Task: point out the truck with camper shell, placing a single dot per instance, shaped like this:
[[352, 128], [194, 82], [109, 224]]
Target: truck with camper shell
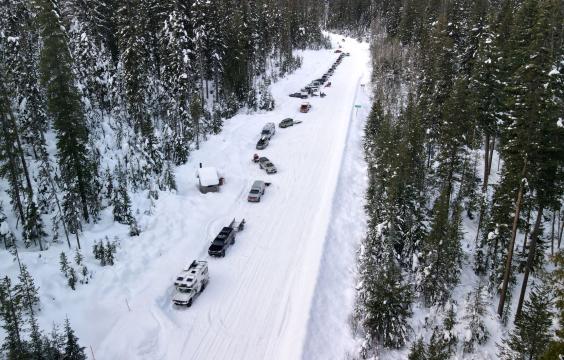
[[190, 283]]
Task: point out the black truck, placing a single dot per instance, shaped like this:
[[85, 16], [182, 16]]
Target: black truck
[[225, 238]]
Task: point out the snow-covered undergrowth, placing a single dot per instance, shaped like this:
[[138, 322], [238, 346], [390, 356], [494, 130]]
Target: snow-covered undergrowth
[[262, 301]]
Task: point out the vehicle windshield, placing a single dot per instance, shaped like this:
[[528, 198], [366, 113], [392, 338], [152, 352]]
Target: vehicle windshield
[[269, 164], [216, 245], [254, 191], [185, 290]]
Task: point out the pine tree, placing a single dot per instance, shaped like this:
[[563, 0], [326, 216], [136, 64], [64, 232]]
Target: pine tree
[[54, 345], [121, 201], [169, 181], [63, 103], [439, 346], [33, 226], [177, 48], [64, 263], [78, 258], [437, 77], [266, 101], [103, 254], [36, 343], [72, 278], [3, 228], [109, 182], [73, 350], [11, 315], [531, 335], [134, 229], [448, 323], [385, 299], [71, 214], [109, 254], [441, 254], [556, 345], [84, 272], [27, 290], [417, 351], [530, 138], [96, 251], [476, 330]]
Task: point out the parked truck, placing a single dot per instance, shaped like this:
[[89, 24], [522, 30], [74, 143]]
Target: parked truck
[[225, 238], [190, 283]]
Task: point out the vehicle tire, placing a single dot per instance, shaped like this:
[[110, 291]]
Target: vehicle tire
[[223, 253], [203, 286], [189, 303], [233, 241]]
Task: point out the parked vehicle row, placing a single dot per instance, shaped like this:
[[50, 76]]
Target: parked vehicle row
[[193, 279], [313, 88]]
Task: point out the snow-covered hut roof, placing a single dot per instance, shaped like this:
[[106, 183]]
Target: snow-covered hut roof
[[208, 176]]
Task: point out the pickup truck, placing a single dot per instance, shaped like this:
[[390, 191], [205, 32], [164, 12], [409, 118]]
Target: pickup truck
[[190, 283], [225, 238]]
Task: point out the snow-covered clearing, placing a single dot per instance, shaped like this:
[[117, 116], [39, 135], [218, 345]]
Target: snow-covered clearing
[[285, 289]]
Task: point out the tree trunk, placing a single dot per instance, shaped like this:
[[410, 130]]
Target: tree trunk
[[507, 272], [552, 234], [22, 159], [77, 240], [530, 260], [492, 147], [527, 229], [14, 178], [560, 234], [81, 189], [58, 203], [482, 210], [429, 155], [486, 163]]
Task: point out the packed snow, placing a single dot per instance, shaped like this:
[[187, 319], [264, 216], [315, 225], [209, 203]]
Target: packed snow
[[285, 289]]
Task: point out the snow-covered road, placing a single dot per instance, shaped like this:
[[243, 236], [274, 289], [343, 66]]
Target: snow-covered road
[[257, 304], [259, 301]]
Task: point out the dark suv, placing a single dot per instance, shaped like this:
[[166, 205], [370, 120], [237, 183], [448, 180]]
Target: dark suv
[[222, 241], [262, 143]]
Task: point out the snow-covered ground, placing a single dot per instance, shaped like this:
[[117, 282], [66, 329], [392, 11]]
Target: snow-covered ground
[[285, 289]]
